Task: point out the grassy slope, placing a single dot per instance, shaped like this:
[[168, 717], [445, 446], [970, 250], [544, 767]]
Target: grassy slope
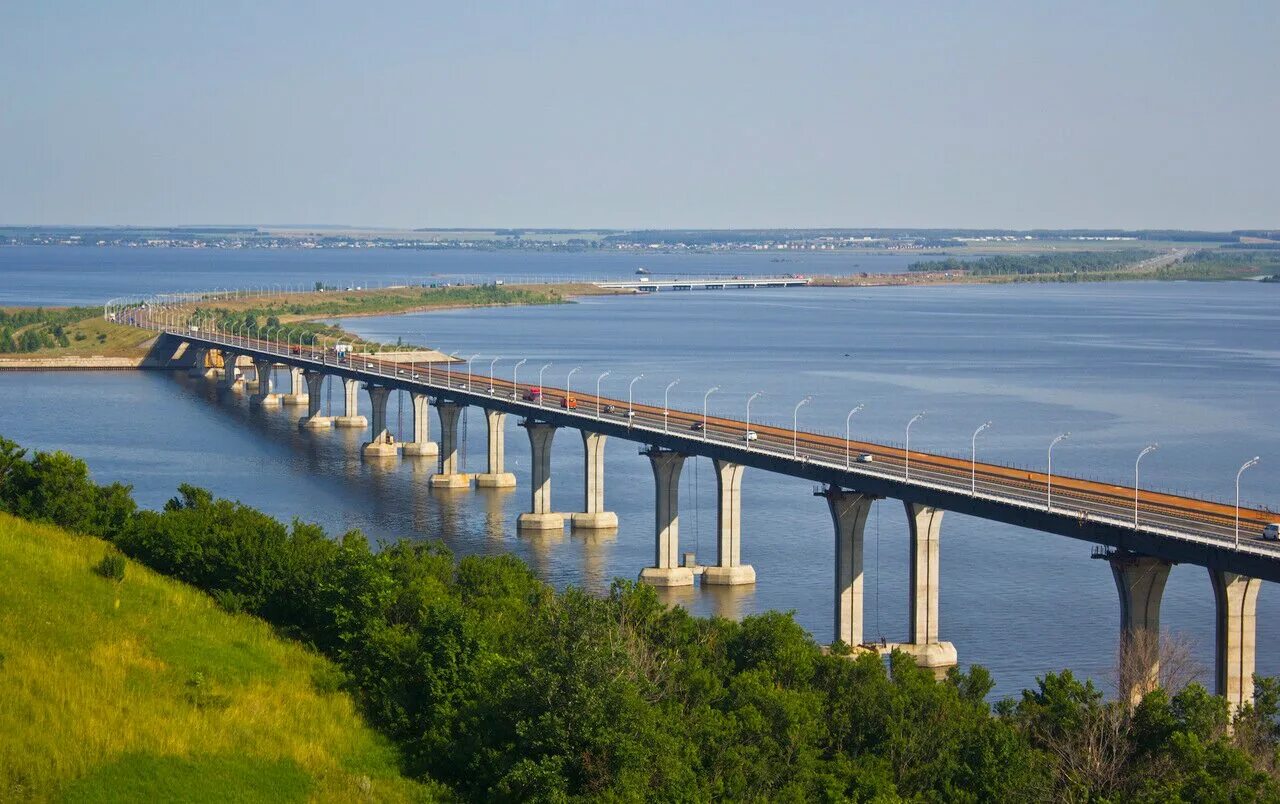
[[146, 690]]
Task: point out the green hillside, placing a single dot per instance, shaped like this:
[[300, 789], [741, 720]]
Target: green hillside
[[143, 689]]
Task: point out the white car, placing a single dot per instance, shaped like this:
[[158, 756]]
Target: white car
[[1272, 532], [750, 435], [866, 457]]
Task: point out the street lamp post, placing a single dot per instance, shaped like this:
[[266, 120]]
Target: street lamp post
[[493, 366], [859, 407], [568, 387], [540, 390], [630, 387], [906, 452], [469, 359], [515, 377], [973, 458], [795, 426], [747, 436], [1247, 464], [1145, 450], [666, 410], [1048, 496], [448, 370], [598, 381], [705, 397]]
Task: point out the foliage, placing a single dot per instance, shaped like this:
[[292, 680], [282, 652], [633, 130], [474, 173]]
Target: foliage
[[1066, 262], [111, 566], [493, 683]]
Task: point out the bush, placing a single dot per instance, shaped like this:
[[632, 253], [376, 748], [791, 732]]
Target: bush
[[111, 567]]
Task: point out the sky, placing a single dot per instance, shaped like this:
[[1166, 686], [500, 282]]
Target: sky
[[655, 115]]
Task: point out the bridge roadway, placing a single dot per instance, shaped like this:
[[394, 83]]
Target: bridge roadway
[[1174, 528]]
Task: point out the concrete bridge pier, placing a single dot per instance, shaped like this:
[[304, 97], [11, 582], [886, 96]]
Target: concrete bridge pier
[[231, 378], [666, 570], [849, 510], [315, 387], [422, 445], [1140, 581], [593, 516], [925, 524], [496, 476], [448, 477], [199, 360], [351, 406], [266, 395], [540, 516], [296, 395], [381, 444], [1235, 644], [729, 569]]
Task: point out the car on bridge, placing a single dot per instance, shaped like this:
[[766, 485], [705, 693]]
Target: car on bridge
[[750, 435], [1272, 532], [570, 402], [533, 394]]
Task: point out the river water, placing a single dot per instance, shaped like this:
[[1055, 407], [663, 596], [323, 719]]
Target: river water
[[1191, 366]]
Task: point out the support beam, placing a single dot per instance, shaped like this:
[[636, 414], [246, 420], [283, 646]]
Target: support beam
[[380, 443], [729, 569], [421, 445], [925, 523], [496, 476], [540, 516], [593, 516], [350, 406], [448, 477], [315, 387], [199, 361], [1235, 636], [849, 510], [1140, 581], [666, 570], [265, 395], [296, 395], [231, 378]]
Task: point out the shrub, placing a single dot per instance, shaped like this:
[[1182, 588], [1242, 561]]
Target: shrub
[[111, 567]]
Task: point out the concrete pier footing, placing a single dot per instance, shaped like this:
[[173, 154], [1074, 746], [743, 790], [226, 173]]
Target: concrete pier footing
[[1140, 582], [1235, 635], [421, 445], [540, 516], [593, 515], [265, 396], [231, 378], [849, 510], [449, 477], [350, 406], [380, 445], [297, 395], [496, 476], [925, 524], [315, 387], [729, 569], [666, 569]]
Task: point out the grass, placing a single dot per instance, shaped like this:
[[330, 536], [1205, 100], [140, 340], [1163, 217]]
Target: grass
[[142, 689]]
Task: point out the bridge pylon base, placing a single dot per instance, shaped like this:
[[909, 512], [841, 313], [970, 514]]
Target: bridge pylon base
[[528, 521], [422, 449], [595, 520], [495, 480], [380, 449], [315, 422], [737, 575], [350, 421], [450, 481], [667, 576], [295, 399]]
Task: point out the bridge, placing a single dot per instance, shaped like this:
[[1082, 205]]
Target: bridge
[[649, 284], [1140, 533]]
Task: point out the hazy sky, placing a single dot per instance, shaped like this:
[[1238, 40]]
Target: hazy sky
[[693, 114]]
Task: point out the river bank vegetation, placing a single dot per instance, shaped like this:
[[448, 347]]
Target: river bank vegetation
[[501, 688], [1109, 266]]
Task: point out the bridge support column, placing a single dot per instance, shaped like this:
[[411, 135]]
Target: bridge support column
[[540, 516], [380, 445], [199, 358], [1236, 606], [422, 444], [729, 569], [296, 395], [315, 387], [1140, 581], [666, 570], [849, 511], [350, 406], [448, 477], [231, 378], [925, 524], [266, 395], [497, 477], [593, 516]]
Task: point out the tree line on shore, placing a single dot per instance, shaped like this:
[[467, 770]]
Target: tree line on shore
[[502, 688]]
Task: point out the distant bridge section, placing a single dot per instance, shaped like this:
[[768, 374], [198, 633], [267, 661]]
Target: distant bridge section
[[649, 284]]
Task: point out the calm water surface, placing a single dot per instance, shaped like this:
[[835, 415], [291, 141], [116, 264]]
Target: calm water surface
[[1192, 366]]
